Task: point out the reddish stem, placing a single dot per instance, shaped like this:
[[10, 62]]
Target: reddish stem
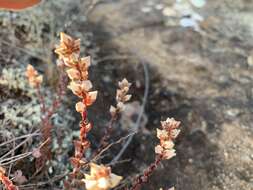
[[108, 130], [103, 142], [60, 92], [7, 182], [45, 118], [41, 99], [84, 129], [46, 127], [146, 174]]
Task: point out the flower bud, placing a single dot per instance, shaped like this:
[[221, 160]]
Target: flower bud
[[80, 107]]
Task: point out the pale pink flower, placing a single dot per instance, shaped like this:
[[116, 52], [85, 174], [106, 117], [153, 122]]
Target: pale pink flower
[[19, 177], [33, 77], [121, 97], [80, 107], [101, 178], [68, 46], [166, 135]]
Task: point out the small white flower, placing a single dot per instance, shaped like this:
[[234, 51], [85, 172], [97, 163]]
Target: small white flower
[[101, 178]]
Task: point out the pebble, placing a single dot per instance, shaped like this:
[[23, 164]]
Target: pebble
[[159, 6], [226, 155], [146, 9], [250, 61], [188, 22], [233, 112], [190, 160], [169, 12], [198, 3]]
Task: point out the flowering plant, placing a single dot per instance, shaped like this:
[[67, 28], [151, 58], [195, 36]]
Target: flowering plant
[[100, 176]]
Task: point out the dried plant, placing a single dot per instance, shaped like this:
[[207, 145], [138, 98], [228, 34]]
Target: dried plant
[[100, 177], [35, 80], [6, 181], [77, 71], [165, 150], [122, 97]]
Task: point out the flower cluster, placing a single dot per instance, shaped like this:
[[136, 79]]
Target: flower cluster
[[121, 97], [167, 135], [68, 46], [35, 81], [6, 181], [77, 71], [33, 77], [101, 178]]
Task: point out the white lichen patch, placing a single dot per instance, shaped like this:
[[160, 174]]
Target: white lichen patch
[[18, 111]]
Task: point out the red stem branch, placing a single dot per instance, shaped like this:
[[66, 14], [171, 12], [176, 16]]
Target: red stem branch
[[103, 142], [146, 174]]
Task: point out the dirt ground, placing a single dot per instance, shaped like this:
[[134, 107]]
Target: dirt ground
[[200, 75]]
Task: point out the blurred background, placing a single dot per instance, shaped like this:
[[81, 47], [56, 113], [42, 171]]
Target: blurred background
[[194, 58]]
